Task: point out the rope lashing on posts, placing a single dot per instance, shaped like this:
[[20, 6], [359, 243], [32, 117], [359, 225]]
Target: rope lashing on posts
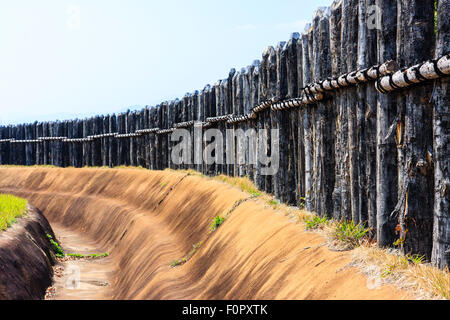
[[184, 124], [296, 102], [146, 131], [127, 135], [425, 71], [314, 92], [206, 124], [242, 118], [388, 78], [264, 105], [165, 131], [25, 141], [352, 78], [51, 138], [105, 135], [78, 140], [223, 118]]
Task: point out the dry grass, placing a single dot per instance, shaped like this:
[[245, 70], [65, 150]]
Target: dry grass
[[245, 184], [405, 271]]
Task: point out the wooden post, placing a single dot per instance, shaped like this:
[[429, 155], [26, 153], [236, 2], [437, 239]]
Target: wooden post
[[300, 130], [352, 110], [105, 141], [146, 137], [246, 100], [39, 149], [230, 110], [418, 172], [170, 123], [306, 63], [336, 69], [219, 98], [386, 112], [113, 159], [253, 124], [292, 92], [441, 225], [280, 121], [153, 124], [371, 125], [323, 167], [28, 146]]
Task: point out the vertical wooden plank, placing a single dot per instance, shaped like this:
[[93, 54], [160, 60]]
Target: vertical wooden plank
[[237, 110], [371, 123], [170, 123], [105, 141], [45, 133], [113, 159], [336, 69], [300, 130], [419, 133], [153, 124], [352, 109], [253, 83], [306, 63], [265, 183], [292, 114], [3, 145], [146, 137], [344, 172], [230, 110], [280, 120], [271, 69], [441, 154], [28, 146], [218, 112], [386, 112], [133, 145], [39, 146], [324, 126]]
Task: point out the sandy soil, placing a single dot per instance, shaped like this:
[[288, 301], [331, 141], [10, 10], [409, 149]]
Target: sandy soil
[[147, 219]]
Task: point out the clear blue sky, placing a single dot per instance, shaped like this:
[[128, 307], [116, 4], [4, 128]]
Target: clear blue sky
[[65, 59]]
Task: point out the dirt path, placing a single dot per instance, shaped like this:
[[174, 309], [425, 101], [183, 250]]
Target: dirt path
[[81, 279]]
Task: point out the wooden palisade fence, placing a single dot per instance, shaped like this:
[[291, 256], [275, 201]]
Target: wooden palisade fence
[[360, 137]]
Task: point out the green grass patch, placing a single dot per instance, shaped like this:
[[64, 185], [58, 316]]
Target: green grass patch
[[217, 221], [349, 233], [273, 203], [11, 207], [56, 247], [182, 261], [91, 255], [315, 222]]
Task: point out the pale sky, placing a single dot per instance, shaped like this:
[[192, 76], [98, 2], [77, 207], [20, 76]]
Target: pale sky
[[64, 59]]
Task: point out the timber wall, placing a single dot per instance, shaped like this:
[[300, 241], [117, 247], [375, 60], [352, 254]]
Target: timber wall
[[360, 138]]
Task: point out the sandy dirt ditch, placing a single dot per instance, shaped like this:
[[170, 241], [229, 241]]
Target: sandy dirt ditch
[[148, 219]]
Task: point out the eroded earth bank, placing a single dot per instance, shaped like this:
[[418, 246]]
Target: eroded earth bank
[[147, 220]]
